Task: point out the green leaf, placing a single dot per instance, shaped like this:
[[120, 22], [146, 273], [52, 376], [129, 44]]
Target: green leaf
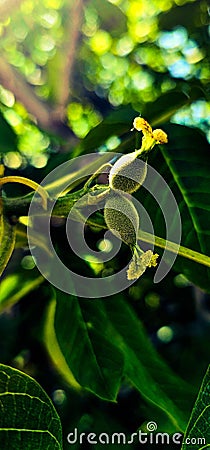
[[8, 141], [15, 286], [37, 239], [119, 122], [151, 376], [185, 165], [198, 427], [181, 14], [7, 241], [28, 419], [162, 109], [86, 339], [103, 340], [52, 346], [115, 124], [111, 17]]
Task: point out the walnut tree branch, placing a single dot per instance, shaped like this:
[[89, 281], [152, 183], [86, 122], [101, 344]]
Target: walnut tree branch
[[75, 14], [23, 92], [7, 8]]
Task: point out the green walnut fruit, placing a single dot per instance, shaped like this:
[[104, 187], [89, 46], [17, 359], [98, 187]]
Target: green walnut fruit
[[124, 170], [122, 218]]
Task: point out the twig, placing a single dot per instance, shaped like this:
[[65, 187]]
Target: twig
[[175, 248], [19, 206], [8, 7], [23, 92], [69, 52], [13, 81]]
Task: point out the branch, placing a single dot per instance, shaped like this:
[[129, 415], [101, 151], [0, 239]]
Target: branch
[[175, 248], [8, 7], [19, 206], [14, 82], [74, 21]]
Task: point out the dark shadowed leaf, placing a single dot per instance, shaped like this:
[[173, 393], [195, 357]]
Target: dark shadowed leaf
[[8, 141], [103, 340], [116, 124], [16, 285], [86, 338], [28, 419], [7, 241], [119, 122], [111, 17], [180, 15], [146, 370], [198, 427], [185, 165]]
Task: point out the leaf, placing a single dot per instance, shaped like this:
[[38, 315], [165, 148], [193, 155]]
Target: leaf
[[101, 340], [117, 123], [162, 109], [120, 121], [15, 286], [28, 419], [7, 241], [189, 15], [112, 18], [198, 427], [151, 376], [85, 337], [37, 238], [104, 422], [8, 141], [185, 165], [52, 346]]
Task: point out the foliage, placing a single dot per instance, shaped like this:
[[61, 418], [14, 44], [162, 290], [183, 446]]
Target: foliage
[[40, 426], [73, 76], [198, 423], [7, 241]]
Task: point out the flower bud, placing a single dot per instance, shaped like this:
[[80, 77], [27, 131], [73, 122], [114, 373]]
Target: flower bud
[[141, 124], [160, 136]]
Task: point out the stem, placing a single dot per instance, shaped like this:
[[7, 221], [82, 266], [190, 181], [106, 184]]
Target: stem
[[8, 7], [20, 206], [12, 80], [78, 175], [54, 350], [7, 303], [72, 32], [175, 248], [32, 184], [7, 241]]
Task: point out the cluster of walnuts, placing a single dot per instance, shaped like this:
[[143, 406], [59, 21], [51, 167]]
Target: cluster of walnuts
[[126, 176]]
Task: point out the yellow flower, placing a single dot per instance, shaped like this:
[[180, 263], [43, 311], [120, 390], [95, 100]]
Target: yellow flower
[[153, 260], [150, 138], [141, 124], [139, 264], [160, 136]]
